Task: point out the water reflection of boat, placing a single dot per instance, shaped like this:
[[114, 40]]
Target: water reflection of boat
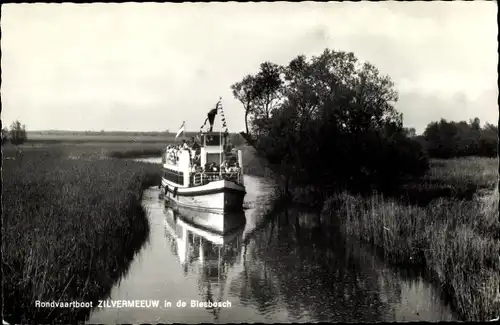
[[212, 222], [203, 253]]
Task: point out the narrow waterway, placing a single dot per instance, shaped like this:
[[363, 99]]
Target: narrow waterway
[[274, 271]]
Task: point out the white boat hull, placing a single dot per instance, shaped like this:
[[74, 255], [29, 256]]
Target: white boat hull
[[216, 197]]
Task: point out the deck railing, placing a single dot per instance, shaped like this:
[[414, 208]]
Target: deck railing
[[202, 178]]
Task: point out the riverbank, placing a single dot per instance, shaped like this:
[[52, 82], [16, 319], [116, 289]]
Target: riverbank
[[454, 238], [69, 226]]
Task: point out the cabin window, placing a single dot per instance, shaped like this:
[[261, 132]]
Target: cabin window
[[212, 140], [173, 176], [214, 158]]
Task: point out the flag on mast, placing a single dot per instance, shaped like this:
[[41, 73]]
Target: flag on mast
[[181, 130], [212, 113]]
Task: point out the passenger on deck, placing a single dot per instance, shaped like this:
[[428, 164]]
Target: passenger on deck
[[213, 167], [232, 161], [196, 160], [225, 166], [194, 144], [235, 168]]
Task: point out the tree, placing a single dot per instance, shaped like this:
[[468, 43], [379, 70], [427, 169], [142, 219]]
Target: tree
[[267, 89], [260, 94], [5, 135], [328, 111], [17, 133], [410, 132], [445, 139], [244, 91], [488, 141]]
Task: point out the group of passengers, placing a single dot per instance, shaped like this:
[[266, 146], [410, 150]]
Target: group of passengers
[[229, 170], [227, 166], [173, 151]]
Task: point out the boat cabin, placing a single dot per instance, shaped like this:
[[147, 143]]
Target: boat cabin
[[212, 159], [212, 148]]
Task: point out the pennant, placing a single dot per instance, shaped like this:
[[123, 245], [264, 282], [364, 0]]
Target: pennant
[[181, 130], [211, 117]]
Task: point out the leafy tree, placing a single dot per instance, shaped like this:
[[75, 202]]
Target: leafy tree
[[268, 89], [328, 120], [488, 141], [244, 92], [260, 94], [445, 139], [410, 132], [5, 135], [17, 133]]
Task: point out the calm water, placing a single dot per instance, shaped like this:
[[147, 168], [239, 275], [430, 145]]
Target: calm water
[[275, 271]]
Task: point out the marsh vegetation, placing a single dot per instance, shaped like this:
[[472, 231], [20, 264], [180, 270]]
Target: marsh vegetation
[[70, 227]]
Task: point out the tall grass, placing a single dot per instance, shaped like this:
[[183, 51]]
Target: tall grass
[[454, 178], [135, 153], [70, 229], [456, 241], [477, 171]]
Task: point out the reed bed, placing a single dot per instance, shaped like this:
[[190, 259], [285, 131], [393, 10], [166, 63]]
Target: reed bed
[[135, 153], [456, 241], [70, 229]]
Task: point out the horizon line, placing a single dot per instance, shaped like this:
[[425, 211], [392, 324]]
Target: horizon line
[[118, 131]]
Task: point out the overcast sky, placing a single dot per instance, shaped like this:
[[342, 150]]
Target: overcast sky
[[150, 66]]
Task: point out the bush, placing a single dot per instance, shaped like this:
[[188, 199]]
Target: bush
[[362, 162], [445, 139], [18, 133]]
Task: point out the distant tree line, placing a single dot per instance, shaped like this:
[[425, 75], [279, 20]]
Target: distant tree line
[[103, 132], [445, 139], [330, 122], [15, 135]]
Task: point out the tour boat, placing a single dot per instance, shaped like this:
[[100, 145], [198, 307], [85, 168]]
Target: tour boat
[[202, 179]]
